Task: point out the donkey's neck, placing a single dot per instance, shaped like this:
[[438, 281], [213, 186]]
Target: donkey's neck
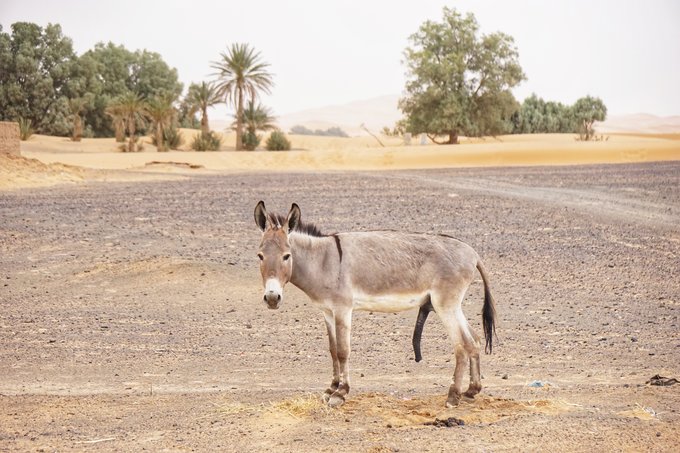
[[315, 261]]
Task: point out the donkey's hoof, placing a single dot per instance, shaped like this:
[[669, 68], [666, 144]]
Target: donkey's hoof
[[472, 391], [336, 400], [326, 396], [450, 404], [453, 398]]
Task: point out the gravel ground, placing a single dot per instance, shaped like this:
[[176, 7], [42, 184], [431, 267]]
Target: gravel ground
[[130, 315]]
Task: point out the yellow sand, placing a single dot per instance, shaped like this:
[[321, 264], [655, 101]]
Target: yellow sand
[[333, 153]]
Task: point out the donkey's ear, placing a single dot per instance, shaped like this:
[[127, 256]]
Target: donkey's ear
[[261, 216], [293, 217]]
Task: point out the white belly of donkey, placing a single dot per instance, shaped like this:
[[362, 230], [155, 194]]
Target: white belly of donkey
[[388, 303]]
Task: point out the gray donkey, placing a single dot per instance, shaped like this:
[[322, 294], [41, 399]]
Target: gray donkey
[[381, 271]]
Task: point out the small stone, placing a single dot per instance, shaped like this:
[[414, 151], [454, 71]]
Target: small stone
[[505, 376]]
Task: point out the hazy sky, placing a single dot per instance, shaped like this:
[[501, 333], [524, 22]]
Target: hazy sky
[[325, 52]]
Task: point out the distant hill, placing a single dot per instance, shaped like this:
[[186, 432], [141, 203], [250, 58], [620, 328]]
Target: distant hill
[[640, 123], [375, 113]]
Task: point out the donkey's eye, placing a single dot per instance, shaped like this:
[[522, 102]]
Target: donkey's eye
[[261, 256], [286, 257]]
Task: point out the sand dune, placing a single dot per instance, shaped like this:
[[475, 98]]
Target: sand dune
[[54, 160], [364, 153], [640, 123]]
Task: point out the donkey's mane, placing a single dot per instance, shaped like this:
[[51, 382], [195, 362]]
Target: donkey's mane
[[302, 227]]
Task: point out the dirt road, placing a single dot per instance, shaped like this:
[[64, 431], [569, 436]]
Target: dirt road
[[130, 315]]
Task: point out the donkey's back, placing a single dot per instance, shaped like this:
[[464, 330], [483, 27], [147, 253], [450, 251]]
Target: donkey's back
[[384, 263]]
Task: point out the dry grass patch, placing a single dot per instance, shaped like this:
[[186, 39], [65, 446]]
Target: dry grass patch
[[301, 406], [639, 412]]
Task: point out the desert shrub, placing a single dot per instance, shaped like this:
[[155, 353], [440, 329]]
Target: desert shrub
[[277, 141], [206, 141], [330, 132], [396, 131], [333, 132], [25, 128], [139, 144], [301, 130], [172, 138], [251, 141]]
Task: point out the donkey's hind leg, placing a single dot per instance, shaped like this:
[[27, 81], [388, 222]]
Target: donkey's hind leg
[[473, 348], [447, 306]]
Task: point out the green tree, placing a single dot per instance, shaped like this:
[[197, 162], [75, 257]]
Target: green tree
[[538, 116], [133, 109], [458, 81], [118, 71], [200, 97], [186, 115], [161, 112], [241, 73], [586, 111], [35, 67], [40, 73]]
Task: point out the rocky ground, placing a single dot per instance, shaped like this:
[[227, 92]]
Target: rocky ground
[[131, 315]]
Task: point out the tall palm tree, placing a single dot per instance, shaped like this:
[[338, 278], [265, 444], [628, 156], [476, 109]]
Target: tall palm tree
[[161, 113], [241, 73], [76, 106], [133, 108], [200, 97]]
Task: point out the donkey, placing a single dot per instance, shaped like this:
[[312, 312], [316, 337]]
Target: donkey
[[381, 271]]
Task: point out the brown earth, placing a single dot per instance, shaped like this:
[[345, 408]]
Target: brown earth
[[130, 315]]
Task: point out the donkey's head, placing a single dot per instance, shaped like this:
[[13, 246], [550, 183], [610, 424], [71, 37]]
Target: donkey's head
[[276, 262]]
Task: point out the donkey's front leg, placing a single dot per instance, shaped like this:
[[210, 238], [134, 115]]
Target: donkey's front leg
[[332, 345], [343, 328]]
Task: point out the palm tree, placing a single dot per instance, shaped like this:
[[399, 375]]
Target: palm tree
[[240, 72], [161, 113], [76, 106], [115, 111], [255, 118], [133, 108], [200, 97]]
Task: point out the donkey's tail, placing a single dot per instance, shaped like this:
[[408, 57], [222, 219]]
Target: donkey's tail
[[488, 310], [424, 311]]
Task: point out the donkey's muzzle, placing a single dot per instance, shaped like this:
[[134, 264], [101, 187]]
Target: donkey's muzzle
[[272, 299]]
